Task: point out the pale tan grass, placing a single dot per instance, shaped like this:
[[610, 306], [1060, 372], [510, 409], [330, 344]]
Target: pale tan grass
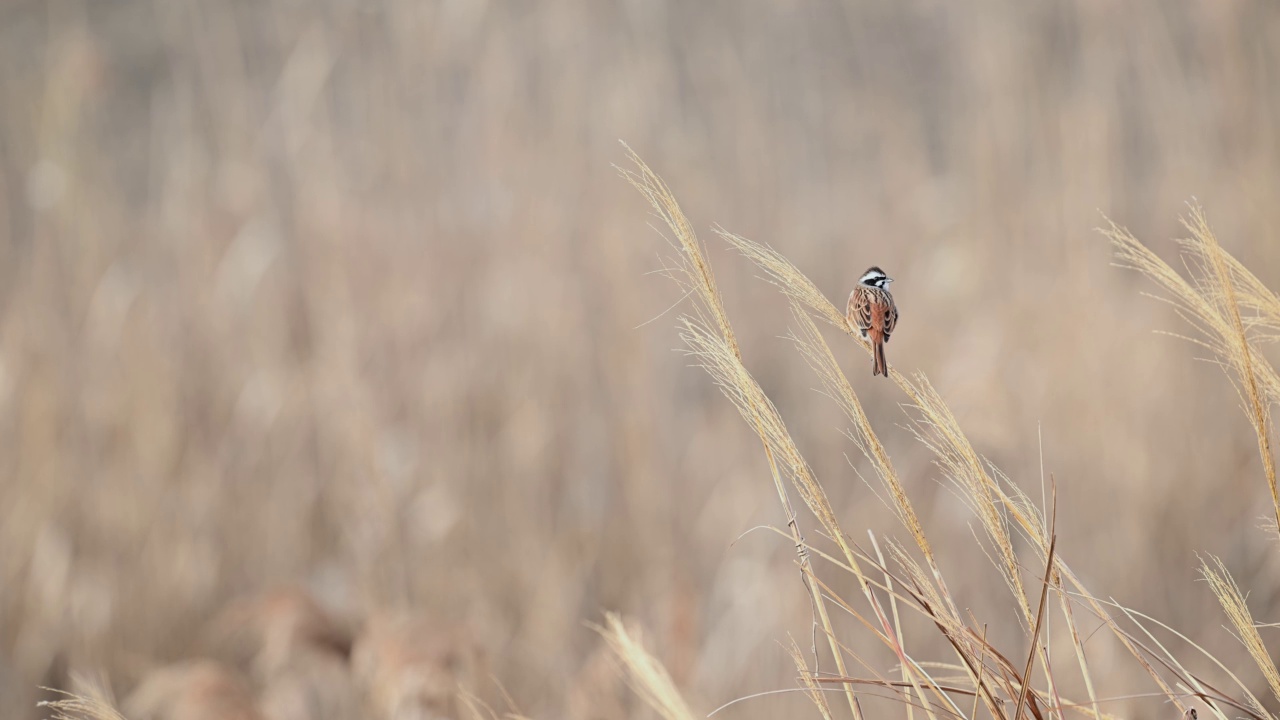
[[907, 675], [1233, 603], [1250, 366], [793, 283], [813, 347], [951, 446], [483, 711], [710, 338], [948, 442], [1161, 656], [718, 359], [961, 458], [1256, 297], [811, 686], [815, 350], [646, 674], [1000, 505], [90, 701], [973, 655], [938, 429], [1209, 303], [1035, 636]]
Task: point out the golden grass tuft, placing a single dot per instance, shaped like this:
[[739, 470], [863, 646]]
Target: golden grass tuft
[[91, 701], [981, 674], [1228, 593], [1210, 303], [710, 338], [647, 675]]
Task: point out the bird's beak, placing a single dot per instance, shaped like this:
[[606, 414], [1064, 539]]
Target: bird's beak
[[888, 280]]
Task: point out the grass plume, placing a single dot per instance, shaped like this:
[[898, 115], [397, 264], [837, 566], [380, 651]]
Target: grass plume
[[710, 339], [1233, 603], [1210, 303], [91, 701], [1007, 515], [646, 674]]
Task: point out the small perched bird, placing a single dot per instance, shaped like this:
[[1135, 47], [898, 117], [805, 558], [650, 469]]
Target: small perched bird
[[872, 310], [1190, 714]]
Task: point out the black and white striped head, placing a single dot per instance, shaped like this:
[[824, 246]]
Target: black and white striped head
[[875, 277]]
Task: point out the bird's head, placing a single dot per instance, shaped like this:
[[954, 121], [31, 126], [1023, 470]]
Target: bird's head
[[875, 277]]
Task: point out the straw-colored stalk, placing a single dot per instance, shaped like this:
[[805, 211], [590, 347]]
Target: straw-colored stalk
[[646, 674], [1211, 305], [710, 338], [90, 701], [1228, 593]]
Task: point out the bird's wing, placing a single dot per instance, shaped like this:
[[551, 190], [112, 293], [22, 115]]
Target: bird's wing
[[859, 310], [890, 318]]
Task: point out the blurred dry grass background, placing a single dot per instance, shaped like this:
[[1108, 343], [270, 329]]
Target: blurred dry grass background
[[347, 295]]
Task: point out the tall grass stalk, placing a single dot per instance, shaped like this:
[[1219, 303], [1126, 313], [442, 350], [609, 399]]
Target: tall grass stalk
[[914, 580]]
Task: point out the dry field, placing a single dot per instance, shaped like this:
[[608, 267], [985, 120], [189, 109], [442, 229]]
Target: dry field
[[336, 379]]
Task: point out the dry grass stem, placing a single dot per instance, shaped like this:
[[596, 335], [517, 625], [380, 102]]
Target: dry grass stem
[[1001, 506], [1233, 603], [91, 702], [811, 685], [646, 674], [1208, 302], [718, 352]]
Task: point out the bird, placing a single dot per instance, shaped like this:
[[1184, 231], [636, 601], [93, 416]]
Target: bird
[[1190, 714], [872, 310]]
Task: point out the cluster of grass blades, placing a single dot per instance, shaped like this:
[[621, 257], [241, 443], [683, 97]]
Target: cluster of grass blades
[[899, 583], [1231, 312]]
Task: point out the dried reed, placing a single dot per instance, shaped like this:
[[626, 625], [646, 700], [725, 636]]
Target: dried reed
[[987, 675]]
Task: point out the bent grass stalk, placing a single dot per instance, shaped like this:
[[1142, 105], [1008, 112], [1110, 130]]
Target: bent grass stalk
[[1005, 690], [717, 350]]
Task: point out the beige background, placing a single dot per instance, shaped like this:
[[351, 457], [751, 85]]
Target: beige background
[[349, 294]]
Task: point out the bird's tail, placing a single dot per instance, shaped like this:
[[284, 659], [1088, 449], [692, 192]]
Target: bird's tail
[[881, 366]]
